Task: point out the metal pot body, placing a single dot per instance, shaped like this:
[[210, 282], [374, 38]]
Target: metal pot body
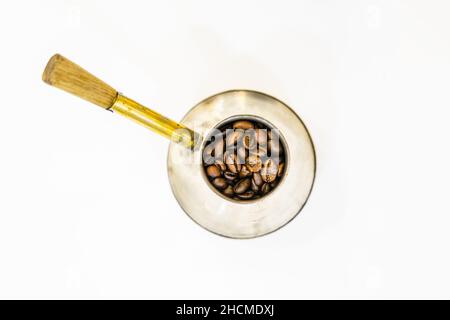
[[242, 219]]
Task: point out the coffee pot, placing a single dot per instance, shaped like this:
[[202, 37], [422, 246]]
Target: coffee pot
[[185, 163]]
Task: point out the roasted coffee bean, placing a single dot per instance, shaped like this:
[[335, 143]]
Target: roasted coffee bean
[[249, 140], [254, 186], [221, 165], [244, 172], [241, 161], [243, 124], [234, 167], [246, 195], [265, 188], [228, 191], [269, 170], [213, 171], [232, 162], [230, 175], [220, 183], [242, 186], [257, 179], [254, 163]]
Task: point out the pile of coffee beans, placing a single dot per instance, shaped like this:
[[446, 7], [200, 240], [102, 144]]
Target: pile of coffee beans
[[244, 159]]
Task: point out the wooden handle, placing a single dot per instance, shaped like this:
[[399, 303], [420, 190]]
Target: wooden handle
[[62, 73]]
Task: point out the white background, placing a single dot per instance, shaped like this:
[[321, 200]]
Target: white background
[[86, 210]]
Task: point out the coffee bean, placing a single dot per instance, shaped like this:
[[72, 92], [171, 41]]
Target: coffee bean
[[230, 175], [257, 179], [234, 167], [243, 124], [237, 161], [244, 172], [246, 195], [254, 163], [254, 186], [220, 183], [221, 165], [265, 188], [242, 186], [213, 171], [232, 162], [269, 170], [228, 191], [249, 140]]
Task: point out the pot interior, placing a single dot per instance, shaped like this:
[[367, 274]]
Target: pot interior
[[269, 135]]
